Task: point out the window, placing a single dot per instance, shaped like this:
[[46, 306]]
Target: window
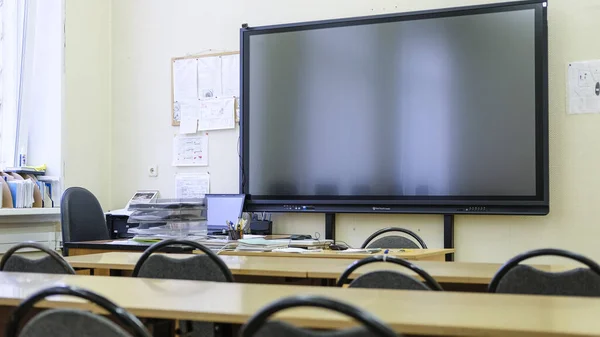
[[9, 62], [31, 77]]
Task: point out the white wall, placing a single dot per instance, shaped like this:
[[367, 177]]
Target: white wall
[[147, 33], [86, 129]]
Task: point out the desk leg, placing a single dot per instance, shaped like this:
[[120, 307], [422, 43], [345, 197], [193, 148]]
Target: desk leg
[[161, 328], [325, 282], [101, 272]]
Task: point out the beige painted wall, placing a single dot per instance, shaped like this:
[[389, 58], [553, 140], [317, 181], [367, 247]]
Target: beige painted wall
[[147, 33], [86, 119]]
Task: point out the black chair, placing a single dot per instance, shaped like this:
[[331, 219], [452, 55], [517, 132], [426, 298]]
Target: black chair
[[82, 218], [258, 326], [388, 279], [198, 267], [51, 264], [393, 241], [70, 322], [514, 278]]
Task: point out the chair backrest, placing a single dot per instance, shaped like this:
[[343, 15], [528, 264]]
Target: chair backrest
[[82, 218], [66, 322], [257, 325], [205, 267], [69, 322], [513, 278], [388, 279], [51, 264], [201, 267], [393, 241]]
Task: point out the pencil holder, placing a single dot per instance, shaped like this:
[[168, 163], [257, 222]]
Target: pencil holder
[[235, 235]]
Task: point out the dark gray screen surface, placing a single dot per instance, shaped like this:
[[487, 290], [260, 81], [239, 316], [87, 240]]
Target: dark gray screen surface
[[437, 107]]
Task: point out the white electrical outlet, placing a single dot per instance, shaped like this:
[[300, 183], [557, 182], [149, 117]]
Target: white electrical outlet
[[153, 171]]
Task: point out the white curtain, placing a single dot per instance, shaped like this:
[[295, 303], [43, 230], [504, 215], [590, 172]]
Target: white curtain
[[17, 21]]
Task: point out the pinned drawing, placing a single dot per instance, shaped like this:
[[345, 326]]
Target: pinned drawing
[[190, 150], [209, 77], [204, 78], [176, 112], [185, 80], [584, 87], [192, 186], [230, 73], [189, 114], [217, 114]]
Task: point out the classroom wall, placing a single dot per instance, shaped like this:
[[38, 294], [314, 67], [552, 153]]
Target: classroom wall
[[147, 33], [86, 135]]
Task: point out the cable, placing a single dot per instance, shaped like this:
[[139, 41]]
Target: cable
[[224, 248], [318, 237], [347, 245]]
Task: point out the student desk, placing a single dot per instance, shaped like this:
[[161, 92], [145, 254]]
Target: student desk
[[316, 269], [409, 312], [407, 254], [239, 265], [104, 246]]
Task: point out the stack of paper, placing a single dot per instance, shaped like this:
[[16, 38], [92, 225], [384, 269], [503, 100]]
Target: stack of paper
[[159, 237], [261, 245], [53, 190], [285, 243], [46, 192], [217, 244], [22, 193]]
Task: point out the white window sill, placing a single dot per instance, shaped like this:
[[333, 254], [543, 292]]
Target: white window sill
[[29, 215]]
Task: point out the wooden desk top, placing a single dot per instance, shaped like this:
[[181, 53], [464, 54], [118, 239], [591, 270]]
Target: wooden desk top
[[410, 312], [239, 265], [407, 254], [126, 244], [119, 245], [91, 247], [443, 272]]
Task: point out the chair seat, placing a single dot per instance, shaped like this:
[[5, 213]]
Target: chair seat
[[393, 241], [524, 279], [205, 267], [195, 267], [282, 329], [45, 265], [388, 279], [71, 323], [52, 263]]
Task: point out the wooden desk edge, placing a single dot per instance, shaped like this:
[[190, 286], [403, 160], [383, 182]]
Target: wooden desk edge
[[234, 271]]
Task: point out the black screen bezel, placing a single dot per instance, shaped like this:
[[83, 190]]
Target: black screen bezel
[[536, 205]]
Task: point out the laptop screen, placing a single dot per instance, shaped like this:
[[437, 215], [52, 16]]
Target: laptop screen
[[222, 208]]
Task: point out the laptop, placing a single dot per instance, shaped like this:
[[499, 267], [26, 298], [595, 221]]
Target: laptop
[[222, 208]]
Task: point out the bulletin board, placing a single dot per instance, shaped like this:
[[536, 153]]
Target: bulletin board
[[203, 79]]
